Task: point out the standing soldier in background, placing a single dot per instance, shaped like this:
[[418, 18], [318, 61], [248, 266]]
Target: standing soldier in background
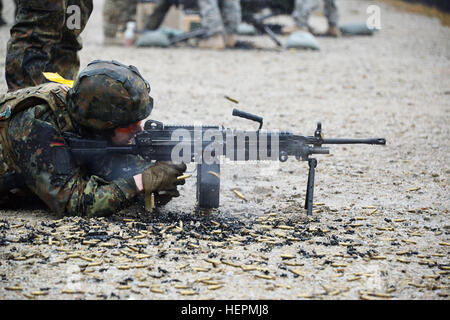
[[221, 19], [303, 9], [45, 38], [116, 14]]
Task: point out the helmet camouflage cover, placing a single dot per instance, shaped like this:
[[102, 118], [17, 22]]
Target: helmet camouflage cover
[[107, 95]]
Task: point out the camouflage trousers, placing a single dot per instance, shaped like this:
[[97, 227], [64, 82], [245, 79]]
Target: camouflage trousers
[[220, 16], [116, 14], [303, 9], [159, 13], [45, 38]]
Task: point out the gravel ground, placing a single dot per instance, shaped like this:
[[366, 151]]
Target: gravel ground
[[380, 227]]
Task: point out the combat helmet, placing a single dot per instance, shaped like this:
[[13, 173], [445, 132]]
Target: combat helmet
[[108, 95]]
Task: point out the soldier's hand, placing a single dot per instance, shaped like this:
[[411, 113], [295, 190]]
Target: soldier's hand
[[163, 176]]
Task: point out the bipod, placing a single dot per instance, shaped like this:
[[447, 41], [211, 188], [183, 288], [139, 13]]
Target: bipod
[[312, 163]]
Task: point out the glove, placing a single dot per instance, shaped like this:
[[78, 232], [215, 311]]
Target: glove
[[162, 177]]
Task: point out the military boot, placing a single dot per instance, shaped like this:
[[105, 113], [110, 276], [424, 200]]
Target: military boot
[[333, 31], [215, 42]]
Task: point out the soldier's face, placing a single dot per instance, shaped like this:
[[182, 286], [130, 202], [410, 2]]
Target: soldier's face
[[124, 136]]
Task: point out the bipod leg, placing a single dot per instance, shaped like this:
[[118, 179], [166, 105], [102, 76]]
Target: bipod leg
[[272, 36], [312, 163]]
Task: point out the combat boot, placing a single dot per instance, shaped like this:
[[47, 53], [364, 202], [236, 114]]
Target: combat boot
[[215, 42], [230, 40], [333, 31]]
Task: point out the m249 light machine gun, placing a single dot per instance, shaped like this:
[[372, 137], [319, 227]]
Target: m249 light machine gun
[[205, 145]]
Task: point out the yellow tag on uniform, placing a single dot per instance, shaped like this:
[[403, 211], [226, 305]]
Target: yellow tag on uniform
[[55, 77]]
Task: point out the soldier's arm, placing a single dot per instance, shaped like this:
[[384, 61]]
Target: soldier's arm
[[51, 173]]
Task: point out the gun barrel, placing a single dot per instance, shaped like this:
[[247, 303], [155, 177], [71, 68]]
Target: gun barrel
[[319, 150], [380, 141]]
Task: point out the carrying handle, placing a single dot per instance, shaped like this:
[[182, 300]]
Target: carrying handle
[[249, 116]]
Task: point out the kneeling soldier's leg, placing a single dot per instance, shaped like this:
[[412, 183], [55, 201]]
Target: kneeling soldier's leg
[[35, 33]]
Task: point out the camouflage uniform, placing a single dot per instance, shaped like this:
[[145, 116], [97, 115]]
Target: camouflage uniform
[[38, 151], [44, 38], [303, 9], [116, 14], [220, 16], [159, 13]]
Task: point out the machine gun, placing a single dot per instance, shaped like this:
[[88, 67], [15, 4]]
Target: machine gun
[[206, 145]]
